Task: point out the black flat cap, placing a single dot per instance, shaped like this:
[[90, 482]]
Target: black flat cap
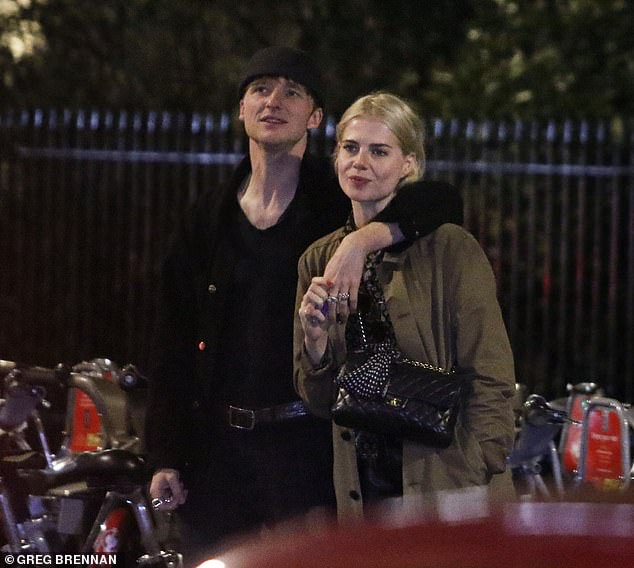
[[288, 62]]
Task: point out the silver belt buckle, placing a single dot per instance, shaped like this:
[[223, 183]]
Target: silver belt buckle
[[241, 418]]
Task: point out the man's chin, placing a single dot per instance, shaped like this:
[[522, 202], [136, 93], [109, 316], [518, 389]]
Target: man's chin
[[279, 142]]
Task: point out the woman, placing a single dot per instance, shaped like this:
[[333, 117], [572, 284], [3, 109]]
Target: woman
[[441, 298]]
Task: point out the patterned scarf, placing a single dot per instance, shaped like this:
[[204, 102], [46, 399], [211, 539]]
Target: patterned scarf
[[374, 313]]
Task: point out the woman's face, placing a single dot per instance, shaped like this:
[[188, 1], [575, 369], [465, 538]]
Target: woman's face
[[370, 163]]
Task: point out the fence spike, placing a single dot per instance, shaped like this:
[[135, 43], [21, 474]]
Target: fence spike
[[151, 122], [80, 120], [567, 134], [331, 127], [94, 120], [136, 121], [195, 123], [438, 127], [123, 120], [502, 131], [584, 132], [166, 120], [38, 117], [108, 119], [485, 131], [470, 130], [454, 127]]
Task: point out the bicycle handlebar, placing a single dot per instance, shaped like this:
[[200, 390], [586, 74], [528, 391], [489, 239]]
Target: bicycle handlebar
[[35, 375], [128, 379], [6, 367], [538, 412], [131, 379]]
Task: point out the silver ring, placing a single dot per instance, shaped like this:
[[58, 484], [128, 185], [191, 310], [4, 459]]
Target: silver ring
[[158, 502], [333, 299], [343, 296]]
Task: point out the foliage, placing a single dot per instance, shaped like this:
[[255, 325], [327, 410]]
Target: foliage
[[555, 58], [126, 53], [454, 57]]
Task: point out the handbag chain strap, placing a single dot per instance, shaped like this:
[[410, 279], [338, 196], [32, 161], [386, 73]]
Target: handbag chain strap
[[375, 291], [372, 286], [427, 366], [370, 282]]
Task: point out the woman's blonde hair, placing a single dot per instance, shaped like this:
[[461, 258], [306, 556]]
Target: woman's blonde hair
[[399, 117]]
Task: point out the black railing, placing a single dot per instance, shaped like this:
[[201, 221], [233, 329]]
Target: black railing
[[89, 198]]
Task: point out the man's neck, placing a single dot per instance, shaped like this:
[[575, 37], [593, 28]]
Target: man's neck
[[272, 184]]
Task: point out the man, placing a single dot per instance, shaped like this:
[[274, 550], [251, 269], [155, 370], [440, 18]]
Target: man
[[229, 442]]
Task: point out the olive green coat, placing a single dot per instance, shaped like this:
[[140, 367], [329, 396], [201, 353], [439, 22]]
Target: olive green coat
[[441, 296]]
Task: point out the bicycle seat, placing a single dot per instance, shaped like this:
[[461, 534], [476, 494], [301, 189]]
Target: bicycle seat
[[106, 469]]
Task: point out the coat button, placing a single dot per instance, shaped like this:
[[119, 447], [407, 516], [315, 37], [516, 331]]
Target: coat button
[[346, 435], [355, 495], [195, 405], [212, 288], [202, 346]]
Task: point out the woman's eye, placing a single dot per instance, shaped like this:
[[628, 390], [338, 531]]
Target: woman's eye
[[350, 148], [379, 152]]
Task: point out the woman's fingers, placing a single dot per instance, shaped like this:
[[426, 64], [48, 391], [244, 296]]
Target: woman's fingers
[[324, 303]]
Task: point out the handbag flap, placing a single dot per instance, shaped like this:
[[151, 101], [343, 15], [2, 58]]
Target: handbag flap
[[412, 381]]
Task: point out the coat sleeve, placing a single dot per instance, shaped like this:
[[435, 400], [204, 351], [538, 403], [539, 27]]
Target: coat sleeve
[[168, 428], [421, 207], [482, 347], [315, 386]]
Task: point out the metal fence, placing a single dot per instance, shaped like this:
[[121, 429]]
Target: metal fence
[[88, 200]]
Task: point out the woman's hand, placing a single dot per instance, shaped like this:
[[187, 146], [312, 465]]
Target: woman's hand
[[314, 311], [319, 310]]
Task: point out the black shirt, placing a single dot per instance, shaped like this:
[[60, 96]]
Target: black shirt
[[255, 363]]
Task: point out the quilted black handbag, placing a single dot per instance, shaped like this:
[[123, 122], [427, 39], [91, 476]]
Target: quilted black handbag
[[379, 390]]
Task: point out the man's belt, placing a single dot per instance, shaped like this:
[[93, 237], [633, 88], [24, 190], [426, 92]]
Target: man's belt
[[248, 418]]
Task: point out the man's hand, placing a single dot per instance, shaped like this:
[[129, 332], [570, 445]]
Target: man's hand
[[345, 268], [168, 488]]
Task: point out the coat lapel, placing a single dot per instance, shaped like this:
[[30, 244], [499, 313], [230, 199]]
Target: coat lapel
[[415, 303], [400, 302]]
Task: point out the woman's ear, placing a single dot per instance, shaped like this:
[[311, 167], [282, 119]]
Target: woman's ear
[[408, 165]]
